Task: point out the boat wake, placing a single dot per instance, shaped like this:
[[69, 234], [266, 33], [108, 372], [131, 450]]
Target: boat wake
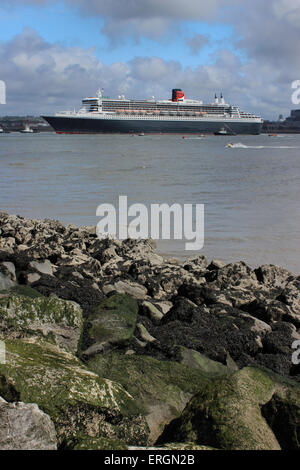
[[243, 146]]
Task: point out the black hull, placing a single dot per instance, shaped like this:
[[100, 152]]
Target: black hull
[[70, 125]]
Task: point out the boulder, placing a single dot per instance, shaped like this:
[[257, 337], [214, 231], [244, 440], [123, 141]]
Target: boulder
[[160, 388], [110, 324], [7, 275], [195, 360], [25, 314], [43, 267], [273, 276], [25, 427], [152, 311], [78, 401], [239, 412], [213, 332], [127, 287], [6, 282], [234, 275]]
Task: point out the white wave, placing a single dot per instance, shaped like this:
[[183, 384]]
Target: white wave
[[243, 146]]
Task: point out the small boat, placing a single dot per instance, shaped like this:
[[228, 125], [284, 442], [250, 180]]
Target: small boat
[[27, 130], [2, 131], [224, 131]]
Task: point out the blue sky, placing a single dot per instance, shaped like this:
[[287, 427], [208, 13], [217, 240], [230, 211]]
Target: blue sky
[[60, 23], [148, 47]]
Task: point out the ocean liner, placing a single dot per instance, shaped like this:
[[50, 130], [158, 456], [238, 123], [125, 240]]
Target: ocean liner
[[177, 115]]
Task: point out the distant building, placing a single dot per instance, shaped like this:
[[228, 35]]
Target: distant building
[[290, 125], [294, 119]]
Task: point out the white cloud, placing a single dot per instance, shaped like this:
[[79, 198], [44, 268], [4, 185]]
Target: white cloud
[[44, 77]]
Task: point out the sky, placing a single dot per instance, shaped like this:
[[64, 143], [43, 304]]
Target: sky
[[55, 53]]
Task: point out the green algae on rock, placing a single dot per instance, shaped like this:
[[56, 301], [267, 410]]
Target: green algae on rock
[[161, 388], [78, 401], [111, 323], [22, 313], [229, 413], [194, 359]]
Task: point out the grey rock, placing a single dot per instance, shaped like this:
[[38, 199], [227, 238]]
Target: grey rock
[[44, 267], [6, 282], [153, 312], [47, 317], [144, 334], [10, 267], [31, 278], [273, 276], [25, 427], [127, 287]]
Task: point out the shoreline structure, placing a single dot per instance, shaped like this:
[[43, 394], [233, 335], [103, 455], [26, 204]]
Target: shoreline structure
[[108, 345]]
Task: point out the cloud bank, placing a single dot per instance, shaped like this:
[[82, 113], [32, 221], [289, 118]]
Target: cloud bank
[[265, 31]]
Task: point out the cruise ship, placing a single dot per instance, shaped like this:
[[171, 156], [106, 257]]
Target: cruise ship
[[179, 115]]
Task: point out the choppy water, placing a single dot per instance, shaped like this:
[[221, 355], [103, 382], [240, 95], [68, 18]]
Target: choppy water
[[251, 192]]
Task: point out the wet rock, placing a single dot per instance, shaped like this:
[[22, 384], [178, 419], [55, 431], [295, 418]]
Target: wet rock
[[154, 314], [8, 268], [162, 389], [229, 413], [32, 278], [6, 282], [259, 327], [267, 310], [25, 427], [110, 324], [44, 267], [22, 315], [213, 332], [78, 401], [127, 287], [164, 306], [193, 359], [196, 263], [235, 275], [290, 296], [144, 334], [273, 276], [216, 264]]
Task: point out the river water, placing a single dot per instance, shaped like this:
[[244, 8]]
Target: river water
[[251, 192]]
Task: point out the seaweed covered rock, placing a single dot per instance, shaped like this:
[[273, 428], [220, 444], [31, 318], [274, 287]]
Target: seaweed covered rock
[[112, 323], [160, 388], [24, 312], [195, 360], [213, 332], [78, 401], [25, 427], [240, 411]]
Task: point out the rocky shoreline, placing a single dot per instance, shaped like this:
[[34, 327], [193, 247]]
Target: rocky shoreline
[[108, 345]]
